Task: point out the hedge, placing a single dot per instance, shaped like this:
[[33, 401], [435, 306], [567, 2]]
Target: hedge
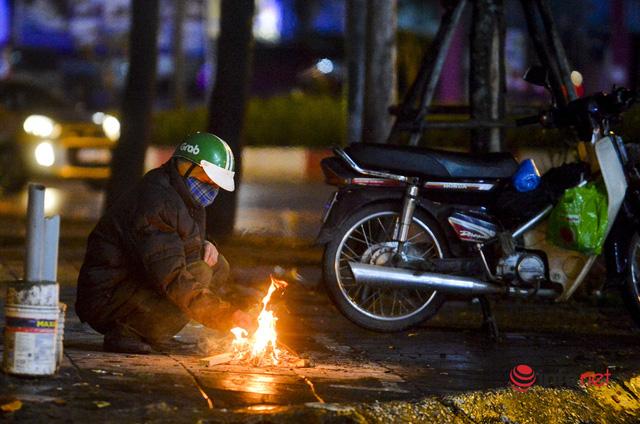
[[294, 119], [319, 121]]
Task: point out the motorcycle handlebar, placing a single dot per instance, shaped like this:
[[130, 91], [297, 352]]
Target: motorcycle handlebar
[[625, 97], [579, 112], [576, 112]]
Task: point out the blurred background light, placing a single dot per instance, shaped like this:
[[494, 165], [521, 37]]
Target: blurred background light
[[98, 118], [325, 66], [44, 154], [268, 21], [5, 21], [111, 127], [39, 125]]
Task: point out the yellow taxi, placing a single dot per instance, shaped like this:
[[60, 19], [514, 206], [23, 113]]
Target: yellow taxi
[[42, 135]]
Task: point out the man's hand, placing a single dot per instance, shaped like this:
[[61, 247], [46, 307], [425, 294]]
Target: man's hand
[[210, 254], [242, 319]]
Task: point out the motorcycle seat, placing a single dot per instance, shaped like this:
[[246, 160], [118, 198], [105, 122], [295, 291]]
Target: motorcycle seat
[[422, 162]]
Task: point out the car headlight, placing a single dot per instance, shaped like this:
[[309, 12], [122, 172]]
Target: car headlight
[[111, 127], [41, 126], [45, 156]]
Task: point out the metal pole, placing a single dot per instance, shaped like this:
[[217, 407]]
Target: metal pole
[[50, 254], [542, 49], [424, 87], [35, 233], [557, 48]]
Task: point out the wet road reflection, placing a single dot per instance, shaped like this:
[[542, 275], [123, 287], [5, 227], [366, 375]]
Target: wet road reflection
[[271, 209]]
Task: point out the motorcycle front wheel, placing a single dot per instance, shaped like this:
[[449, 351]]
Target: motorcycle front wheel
[[631, 287], [367, 237]]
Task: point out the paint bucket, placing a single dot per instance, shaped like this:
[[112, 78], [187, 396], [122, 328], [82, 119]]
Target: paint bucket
[[62, 311], [31, 316]]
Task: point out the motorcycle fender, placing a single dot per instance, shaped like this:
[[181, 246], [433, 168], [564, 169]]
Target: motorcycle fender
[[349, 200], [616, 247]]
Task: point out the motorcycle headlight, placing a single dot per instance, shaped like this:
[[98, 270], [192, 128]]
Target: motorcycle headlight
[[45, 156], [111, 127], [41, 126]]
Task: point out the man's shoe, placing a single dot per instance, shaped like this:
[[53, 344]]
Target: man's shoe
[[171, 345], [119, 341]]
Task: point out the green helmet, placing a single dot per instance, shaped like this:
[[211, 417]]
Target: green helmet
[[212, 154]]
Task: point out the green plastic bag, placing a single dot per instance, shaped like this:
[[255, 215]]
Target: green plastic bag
[[579, 220]]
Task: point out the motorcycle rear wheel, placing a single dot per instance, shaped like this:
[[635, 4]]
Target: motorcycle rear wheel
[[366, 236]]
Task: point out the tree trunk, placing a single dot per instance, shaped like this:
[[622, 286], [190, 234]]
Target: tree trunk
[[228, 100], [380, 73], [127, 165], [179, 95], [356, 56], [487, 74]]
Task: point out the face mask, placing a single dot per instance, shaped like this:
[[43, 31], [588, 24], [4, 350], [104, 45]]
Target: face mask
[[203, 193]]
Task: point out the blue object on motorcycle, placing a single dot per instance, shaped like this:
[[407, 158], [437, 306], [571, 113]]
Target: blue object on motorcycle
[[527, 177]]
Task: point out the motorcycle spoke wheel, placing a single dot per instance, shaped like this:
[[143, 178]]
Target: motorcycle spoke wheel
[[630, 289], [635, 271], [371, 241]]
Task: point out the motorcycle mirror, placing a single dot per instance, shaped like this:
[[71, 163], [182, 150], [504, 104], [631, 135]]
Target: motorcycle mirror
[[537, 75]]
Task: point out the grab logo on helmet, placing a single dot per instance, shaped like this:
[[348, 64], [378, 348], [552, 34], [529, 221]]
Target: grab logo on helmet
[[194, 150]]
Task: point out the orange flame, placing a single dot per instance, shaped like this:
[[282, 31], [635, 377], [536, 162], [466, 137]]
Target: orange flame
[[261, 348]]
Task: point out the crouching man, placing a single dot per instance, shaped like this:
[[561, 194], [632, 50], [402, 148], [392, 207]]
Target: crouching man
[[148, 268]]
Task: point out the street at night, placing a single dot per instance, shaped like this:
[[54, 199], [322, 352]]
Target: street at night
[[442, 361], [320, 211]]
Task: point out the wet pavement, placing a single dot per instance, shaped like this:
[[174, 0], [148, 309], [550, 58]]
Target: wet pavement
[[447, 369], [264, 208], [445, 357]]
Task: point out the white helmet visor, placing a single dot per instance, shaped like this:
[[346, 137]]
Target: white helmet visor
[[220, 176]]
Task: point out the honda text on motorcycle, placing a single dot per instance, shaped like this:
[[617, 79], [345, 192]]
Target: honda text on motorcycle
[[409, 226]]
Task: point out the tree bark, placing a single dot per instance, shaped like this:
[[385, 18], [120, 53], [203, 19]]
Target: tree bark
[[127, 165], [179, 80], [356, 56], [487, 73], [380, 73], [228, 100]]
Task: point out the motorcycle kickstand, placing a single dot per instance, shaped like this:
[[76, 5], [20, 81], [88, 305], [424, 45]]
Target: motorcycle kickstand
[[489, 323]]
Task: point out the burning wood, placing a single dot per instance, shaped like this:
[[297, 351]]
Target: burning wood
[[212, 361], [260, 349]]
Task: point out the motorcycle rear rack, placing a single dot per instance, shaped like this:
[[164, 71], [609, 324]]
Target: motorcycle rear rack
[[380, 174]]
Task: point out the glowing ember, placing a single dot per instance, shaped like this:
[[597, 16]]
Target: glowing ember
[[261, 348]]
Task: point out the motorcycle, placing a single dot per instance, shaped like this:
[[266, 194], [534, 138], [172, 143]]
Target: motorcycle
[[409, 226]]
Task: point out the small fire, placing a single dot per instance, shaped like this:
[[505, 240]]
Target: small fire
[[261, 348]]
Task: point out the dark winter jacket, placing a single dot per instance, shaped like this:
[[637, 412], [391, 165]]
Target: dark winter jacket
[[146, 240]]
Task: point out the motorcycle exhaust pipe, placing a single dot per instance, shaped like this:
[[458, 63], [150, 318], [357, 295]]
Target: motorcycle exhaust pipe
[[385, 277]]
